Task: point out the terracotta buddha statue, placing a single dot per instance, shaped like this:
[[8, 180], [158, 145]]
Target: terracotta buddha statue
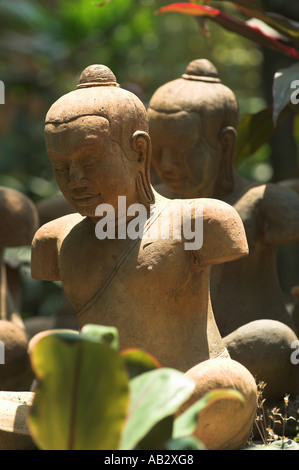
[[193, 122], [193, 127], [151, 288], [148, 274]]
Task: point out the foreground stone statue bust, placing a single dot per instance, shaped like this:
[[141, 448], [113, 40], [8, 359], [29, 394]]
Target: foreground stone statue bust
[[153, 290]]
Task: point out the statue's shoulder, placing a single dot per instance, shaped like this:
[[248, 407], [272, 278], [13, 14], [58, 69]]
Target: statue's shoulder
[[279, 200], [269, 194], [57, 229], [208, 209], [45, 246], [215, 209], [280, 214], [222, 234]]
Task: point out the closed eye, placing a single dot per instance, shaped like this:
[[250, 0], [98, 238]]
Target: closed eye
[[60, 169], [91, 164]]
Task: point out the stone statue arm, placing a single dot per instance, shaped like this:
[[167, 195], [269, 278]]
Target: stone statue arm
[[280, 215], [44, 254], [224, 237]]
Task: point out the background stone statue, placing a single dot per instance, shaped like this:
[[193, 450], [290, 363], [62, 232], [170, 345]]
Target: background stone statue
[[192, 123], [18, 221]]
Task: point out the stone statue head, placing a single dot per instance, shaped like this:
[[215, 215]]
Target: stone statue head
[[98, 143], [192, 122]]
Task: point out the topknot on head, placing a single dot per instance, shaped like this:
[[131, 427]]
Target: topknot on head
[[97, 75], [201, 70]]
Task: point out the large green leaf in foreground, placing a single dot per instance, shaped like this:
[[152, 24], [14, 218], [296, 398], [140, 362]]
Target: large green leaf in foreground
[[82, 397], [155, 396]]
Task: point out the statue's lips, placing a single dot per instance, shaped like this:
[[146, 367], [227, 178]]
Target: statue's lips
[[85, 199], [173, 179]]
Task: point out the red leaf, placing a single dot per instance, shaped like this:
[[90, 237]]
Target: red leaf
[[189, 9], [250, 32]]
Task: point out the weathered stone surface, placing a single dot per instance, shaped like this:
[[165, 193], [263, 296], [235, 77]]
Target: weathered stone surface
[[18, 223], [15, 373], [225, 424], [193, 127], [14, 432], [264, 347]]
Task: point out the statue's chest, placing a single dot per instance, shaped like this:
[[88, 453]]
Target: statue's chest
[[125, 266]]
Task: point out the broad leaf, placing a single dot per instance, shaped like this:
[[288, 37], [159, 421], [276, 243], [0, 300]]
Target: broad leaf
[[185, 424], [158, 436], [185, 443], [138, 361], [285, 84], [101, 334], [155, 395], [232, 24], [82, 395], [255, 130]]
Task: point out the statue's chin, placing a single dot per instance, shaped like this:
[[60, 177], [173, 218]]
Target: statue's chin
[[85, 207]]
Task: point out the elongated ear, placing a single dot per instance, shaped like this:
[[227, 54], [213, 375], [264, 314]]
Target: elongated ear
[[227, 139], [141, 143]]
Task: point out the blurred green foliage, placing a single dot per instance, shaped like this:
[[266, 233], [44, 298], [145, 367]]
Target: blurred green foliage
[[108, 400], [46, 44]]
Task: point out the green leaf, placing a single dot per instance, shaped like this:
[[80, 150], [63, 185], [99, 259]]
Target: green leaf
[[282, 88], [102, 334], [82, 395], [158, 436], [185, 443], [138, 361], [185, 424], [154, 396], [254, 130]]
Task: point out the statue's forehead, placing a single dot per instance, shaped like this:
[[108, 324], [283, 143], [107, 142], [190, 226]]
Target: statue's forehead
[[83, 127], [83, 131], [174, 122]]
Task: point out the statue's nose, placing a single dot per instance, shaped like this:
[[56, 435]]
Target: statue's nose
[[77, 175], [168, 162]]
